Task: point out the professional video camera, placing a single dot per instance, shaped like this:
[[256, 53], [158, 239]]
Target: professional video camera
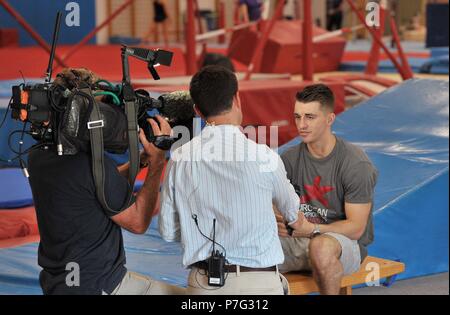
[[78, 112]]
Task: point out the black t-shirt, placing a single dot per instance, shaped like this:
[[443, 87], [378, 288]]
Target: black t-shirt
[[74, 227], [333, 4]]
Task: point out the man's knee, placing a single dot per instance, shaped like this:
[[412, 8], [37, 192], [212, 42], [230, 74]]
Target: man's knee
[[324, 251]]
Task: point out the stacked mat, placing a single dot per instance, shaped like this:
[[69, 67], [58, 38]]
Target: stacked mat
[[437, 63]]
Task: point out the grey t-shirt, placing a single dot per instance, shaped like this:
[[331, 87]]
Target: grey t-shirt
[[325, 185]]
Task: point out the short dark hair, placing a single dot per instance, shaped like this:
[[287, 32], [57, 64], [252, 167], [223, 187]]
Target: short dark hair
[[317, 93], [213, 89]]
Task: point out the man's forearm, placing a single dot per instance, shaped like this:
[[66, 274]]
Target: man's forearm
[[148, 195], [124, 169], [345, 227]]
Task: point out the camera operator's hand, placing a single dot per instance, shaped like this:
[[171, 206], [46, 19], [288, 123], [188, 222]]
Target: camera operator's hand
[[151, 151], [282, 226], [138, 216]]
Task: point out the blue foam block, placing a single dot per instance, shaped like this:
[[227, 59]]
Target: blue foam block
[[15, 191], [438, 65]]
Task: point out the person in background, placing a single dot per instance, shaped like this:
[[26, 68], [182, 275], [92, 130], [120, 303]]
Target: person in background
[[250, 10], [335, 14], [160, 22]]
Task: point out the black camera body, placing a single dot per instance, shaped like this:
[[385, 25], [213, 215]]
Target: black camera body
[[31, 103], [59, 114]]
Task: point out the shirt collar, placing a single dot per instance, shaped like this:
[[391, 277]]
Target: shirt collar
[[224, 128]]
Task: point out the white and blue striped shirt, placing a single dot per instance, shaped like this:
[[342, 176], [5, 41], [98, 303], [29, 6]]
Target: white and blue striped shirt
[[224, 176]]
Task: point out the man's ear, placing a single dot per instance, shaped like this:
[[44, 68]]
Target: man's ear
[[331, 119], [199, 114], [237, 100]]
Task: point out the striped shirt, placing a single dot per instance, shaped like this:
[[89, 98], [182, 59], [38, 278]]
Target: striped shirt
[[222, 175]]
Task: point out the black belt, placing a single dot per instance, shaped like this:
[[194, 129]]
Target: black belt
[[233, 268]]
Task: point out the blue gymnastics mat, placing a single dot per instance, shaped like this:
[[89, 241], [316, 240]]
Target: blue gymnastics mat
[[435, 65], [147, 254], [15, 191]]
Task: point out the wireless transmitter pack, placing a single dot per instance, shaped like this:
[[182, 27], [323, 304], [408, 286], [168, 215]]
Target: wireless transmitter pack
[[216, 269], [216, 263]]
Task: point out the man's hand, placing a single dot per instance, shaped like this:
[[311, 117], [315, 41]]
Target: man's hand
[[302, 227], [282, 226], [138, 216], [152, 152]]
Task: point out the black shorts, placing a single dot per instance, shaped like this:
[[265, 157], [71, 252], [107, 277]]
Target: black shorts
[[160, 18]]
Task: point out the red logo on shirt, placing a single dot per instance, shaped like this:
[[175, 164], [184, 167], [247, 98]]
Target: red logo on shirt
[[316, 192]]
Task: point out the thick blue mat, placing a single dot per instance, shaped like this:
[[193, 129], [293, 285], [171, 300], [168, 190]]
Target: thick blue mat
[[147, 254], [436, 65], [15, 191]]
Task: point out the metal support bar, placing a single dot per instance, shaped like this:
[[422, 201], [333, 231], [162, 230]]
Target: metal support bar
[[191, 62], [30, 30], [255, 64], [307, 58], [97, 29], [379, 41], [374, 57], [405, 63], [221, 20]]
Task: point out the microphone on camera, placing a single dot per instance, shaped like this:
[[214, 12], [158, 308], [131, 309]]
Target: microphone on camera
[[178, 107]]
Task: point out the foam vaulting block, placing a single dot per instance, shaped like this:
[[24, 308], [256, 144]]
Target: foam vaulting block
[[283, 51]]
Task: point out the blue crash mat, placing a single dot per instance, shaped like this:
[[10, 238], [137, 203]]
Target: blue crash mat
[[15, 192], [147, 254], [405, 132], [438, 65]]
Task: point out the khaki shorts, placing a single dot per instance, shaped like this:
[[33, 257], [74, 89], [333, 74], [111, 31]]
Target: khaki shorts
[[137, 284], [296, 253], [239, 283]]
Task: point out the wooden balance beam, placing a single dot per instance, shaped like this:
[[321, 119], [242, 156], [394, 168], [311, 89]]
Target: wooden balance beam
[[301, 283]]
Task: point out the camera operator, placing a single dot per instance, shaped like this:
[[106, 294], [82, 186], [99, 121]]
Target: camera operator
[[76, 231]]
